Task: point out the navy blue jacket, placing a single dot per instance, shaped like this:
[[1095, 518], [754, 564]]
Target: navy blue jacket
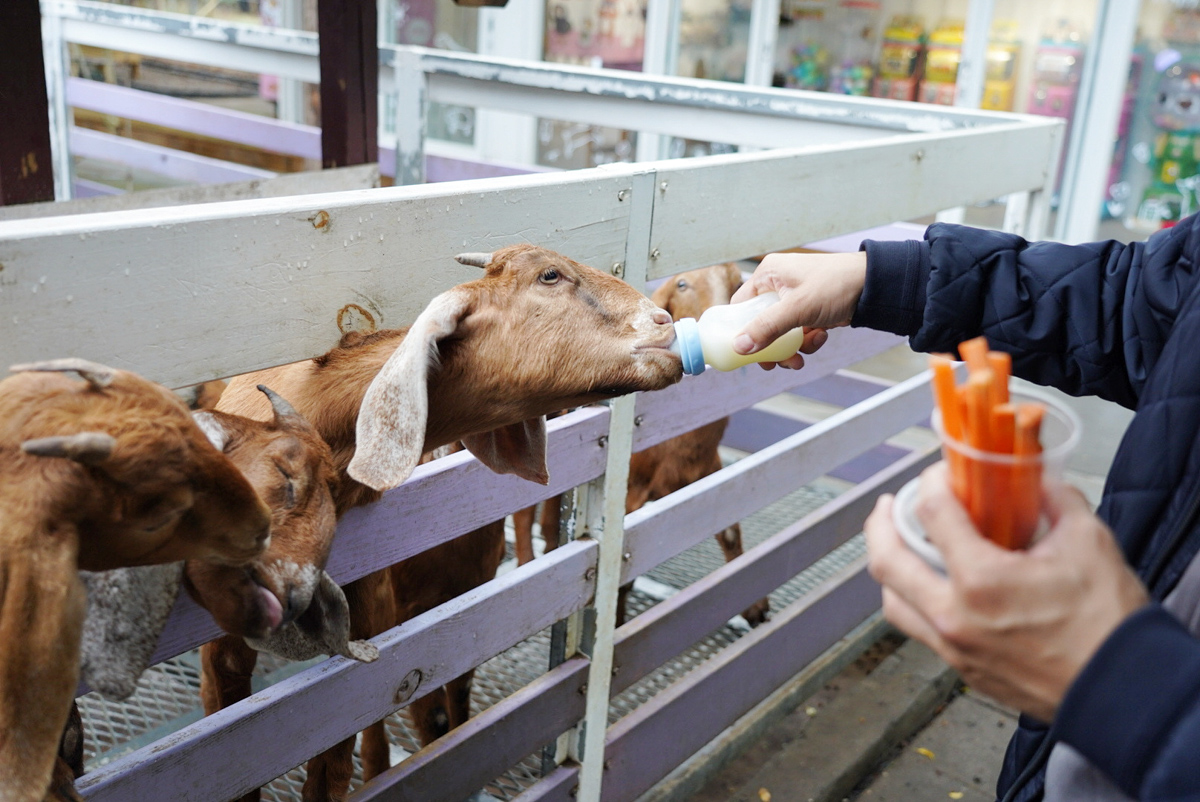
[[1122, 322]]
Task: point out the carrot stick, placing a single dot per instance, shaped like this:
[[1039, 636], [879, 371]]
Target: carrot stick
[[946, 398], [1004, 421], [974, 352], [1001, 364], [1004, 426], [978, 395], [1027, 474]]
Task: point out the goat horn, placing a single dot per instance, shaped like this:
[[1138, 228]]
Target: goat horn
[[89, 448], [284, 412], [96, 374], [474, 259]]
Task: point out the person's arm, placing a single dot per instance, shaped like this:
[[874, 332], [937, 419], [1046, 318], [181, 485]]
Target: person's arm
[[1134, 711], [1087, 319]]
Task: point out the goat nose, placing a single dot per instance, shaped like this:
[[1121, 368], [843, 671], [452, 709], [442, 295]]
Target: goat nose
[[662, 317]]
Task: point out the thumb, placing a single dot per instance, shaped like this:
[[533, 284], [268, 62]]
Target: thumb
[[771, 324]]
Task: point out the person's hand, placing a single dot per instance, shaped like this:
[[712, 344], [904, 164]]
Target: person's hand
[[1018, 626], [817, 291]]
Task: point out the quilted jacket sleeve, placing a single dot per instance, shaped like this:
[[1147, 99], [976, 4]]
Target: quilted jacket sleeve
[[1135, 709], [1088, 319]]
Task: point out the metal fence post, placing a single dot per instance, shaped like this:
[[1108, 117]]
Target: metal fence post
[[590, 741]]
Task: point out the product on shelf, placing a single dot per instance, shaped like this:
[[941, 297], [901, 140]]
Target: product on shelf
[[900, 58], [802, 47], [1057, 66], [1118, 192], [1000, 79], [852, 66], [1175, 159], [942, 56]]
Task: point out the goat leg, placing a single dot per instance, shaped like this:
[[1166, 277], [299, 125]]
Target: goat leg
[[371, 610], [730, 541], [226, 665], [523, 534]]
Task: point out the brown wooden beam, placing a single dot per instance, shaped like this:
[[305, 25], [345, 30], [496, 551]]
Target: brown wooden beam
[[348, 31], [26, 166]]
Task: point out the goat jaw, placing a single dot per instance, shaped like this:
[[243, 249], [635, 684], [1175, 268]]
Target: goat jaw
[[97, 375], [88, 448], [474, 259]]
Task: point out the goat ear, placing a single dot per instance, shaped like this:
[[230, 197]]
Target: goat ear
[[519, 448], [127, 609], [323, 628], [390, 434]]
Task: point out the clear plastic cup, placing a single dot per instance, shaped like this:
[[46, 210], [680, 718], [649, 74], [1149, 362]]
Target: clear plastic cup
[[1002, 492]]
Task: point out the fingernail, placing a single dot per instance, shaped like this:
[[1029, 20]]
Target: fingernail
[[744, 345], [819, 338]]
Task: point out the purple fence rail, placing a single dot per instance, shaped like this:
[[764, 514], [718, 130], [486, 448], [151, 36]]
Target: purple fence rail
[[467, 758], [252, 130]]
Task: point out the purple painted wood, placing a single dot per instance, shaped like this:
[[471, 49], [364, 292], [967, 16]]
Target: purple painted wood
[[420, 514], [240, 748], [254, 130], [93, 189], [164, 161], [713, 394], [559, 785], [755, 429], [682, 519], [443, 168], [671, 626], [467, 758], [842, 389], [644, 746], [455, 766]]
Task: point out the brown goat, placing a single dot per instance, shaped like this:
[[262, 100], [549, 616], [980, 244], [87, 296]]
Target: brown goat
[[98, 474], [482, 364], [672, 464]]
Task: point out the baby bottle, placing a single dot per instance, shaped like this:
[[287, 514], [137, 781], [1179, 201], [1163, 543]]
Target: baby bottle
[[710, 339]]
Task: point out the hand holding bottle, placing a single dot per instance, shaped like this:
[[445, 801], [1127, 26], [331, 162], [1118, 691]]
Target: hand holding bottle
[[817, 291]]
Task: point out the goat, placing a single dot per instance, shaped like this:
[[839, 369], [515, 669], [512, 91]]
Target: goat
[[482, 365], [292, 468], [672, 464], [281, 602], [94, 475]]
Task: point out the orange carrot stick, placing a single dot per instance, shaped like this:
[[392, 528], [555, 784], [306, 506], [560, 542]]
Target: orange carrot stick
[[1004, 427], [1027, 475], [1001, 364], [1004, 421], [978, 436], [946, 398], [974, 352]]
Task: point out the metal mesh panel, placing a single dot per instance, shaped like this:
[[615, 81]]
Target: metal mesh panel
[[168, 695]]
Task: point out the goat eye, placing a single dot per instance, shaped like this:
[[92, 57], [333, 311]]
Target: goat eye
[[549, 276], [681, 284]]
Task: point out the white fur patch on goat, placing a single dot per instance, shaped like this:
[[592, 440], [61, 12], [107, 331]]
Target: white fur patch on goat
[[390, 433], [212, 430]]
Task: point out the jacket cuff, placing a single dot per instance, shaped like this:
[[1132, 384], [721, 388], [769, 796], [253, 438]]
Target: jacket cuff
[[893, 297], [1121, 707]]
